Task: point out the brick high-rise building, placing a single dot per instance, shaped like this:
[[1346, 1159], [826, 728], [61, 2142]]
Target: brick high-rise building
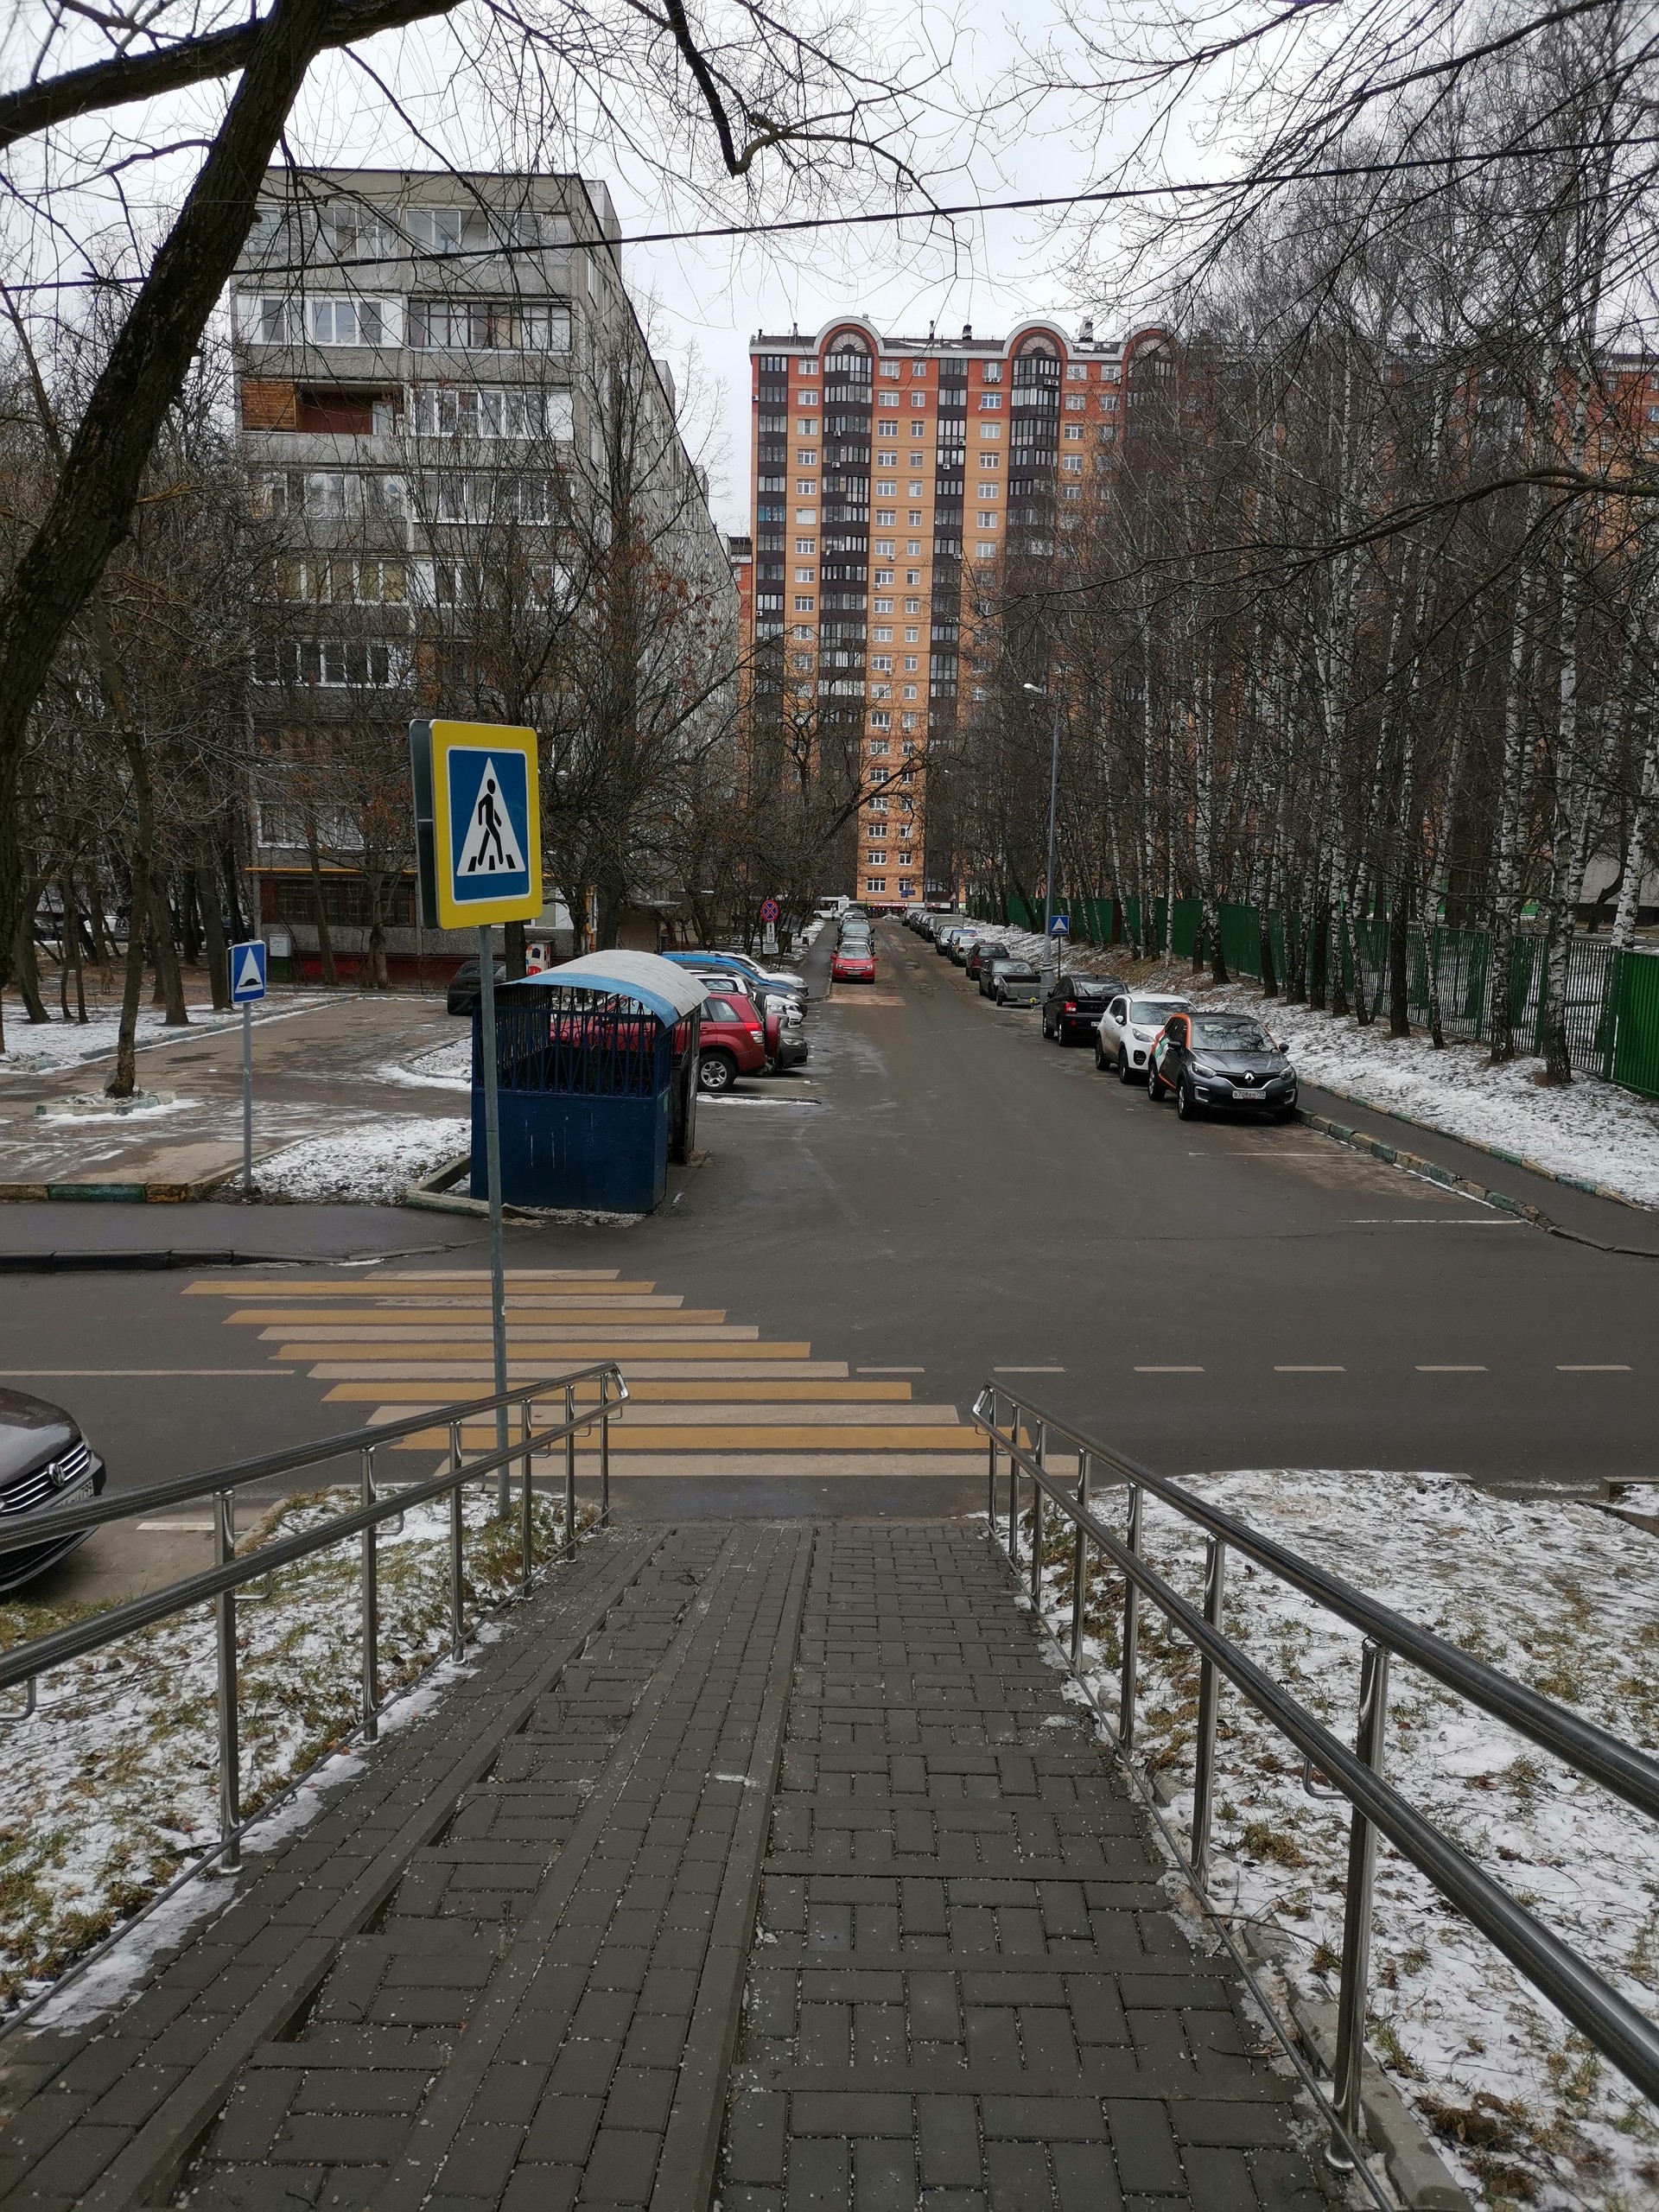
[[881, 468]]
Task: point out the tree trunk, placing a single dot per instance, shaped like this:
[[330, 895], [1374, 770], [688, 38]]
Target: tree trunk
[[1400, 959], [23, 963], [330, 974], [91, 506], [170, 982], [121, 1082], [219, 957], [515, 956], [72, 939]]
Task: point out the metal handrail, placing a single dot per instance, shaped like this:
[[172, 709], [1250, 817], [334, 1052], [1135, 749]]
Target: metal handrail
[[1624, 2034], [26, 1662], [120, 1505]]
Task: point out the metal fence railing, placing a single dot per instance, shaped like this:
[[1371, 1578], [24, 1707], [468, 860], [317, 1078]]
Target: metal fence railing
[[1024, 1437], [24, 1664]]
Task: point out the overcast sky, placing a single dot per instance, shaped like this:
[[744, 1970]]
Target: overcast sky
[[704, 299]]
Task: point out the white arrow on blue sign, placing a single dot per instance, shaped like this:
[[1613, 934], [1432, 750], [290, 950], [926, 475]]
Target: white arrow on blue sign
[[248, 972]]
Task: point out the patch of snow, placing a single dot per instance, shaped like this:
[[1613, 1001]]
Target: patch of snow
[[96, 1106], [1590, 1131], [1519, 2103], [364, 1163], [32, 1049], [446, 1067]]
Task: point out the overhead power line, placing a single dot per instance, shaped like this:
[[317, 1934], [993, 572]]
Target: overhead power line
[[1031, 203]]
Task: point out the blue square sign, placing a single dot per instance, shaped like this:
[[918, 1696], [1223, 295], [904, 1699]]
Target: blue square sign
[[247, 972]]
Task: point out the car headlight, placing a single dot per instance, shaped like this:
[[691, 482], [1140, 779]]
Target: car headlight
[[1203, 1069]]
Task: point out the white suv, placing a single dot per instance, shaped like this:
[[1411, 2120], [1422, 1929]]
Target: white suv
[[1128, 1029]]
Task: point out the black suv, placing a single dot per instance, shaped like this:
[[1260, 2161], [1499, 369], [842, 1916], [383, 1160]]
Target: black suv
[[1073, 1009]]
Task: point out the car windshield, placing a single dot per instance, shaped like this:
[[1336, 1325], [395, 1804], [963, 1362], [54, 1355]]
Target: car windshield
[[1081, 990], [1151, 1013], [1016, 971], [1224, 1033]]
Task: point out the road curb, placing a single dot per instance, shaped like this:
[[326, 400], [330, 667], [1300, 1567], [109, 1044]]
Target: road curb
[[1492, 1151], [1416, 1164]]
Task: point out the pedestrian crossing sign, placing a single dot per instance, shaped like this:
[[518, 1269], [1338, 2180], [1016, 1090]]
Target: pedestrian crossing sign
[[485, 823]]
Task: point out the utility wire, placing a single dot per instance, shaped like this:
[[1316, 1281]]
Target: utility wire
[[1116, 195]]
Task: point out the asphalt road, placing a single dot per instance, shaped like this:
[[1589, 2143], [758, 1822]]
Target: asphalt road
[[946, 1195]]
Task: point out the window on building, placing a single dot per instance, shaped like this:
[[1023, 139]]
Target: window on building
[[807, 488], [489, 326], [986, 520], [885, 490], [1073, 431], [1077, 372], [918, 399], [989, 433], [992, 372], [1072, 463], [884, 606], [351, 322], [337, 663], [884, 549], [886, 399], [878, 744], [774, 364], [1076, 400], [886, 460], [910, 663], [884, 575], [492, 411], [806, 575], [806, 545], [806, 426], [912, 607], [985, 551], [881, 720], [916, 431], [802, 605], [806, 457], [882, 663], [1108, 403], [436, 230], [877, 883], [881, 636], [989, 402], [885, 517]]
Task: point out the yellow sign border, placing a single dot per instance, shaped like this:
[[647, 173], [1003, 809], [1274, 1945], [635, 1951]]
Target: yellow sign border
[[496, 737]]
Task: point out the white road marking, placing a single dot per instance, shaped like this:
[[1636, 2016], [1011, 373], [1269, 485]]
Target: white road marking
[[1027, 1370], [1435, 1221], [175, 1528], [1169, 1370], [892, 1370], [83, 1374], [1310, 1370], [1613, 1367], [1450, 1371]]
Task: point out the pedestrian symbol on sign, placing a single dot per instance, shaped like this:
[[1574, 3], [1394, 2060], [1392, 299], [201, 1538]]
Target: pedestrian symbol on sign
[[489, 848]]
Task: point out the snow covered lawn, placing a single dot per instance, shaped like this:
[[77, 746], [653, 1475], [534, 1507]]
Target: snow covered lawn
[[363, 1163], [43, 1050], [1519, 2103], [446, 1067], [111, 1787]]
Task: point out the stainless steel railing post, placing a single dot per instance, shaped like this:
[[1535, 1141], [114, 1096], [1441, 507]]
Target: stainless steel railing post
[[569, 1470], [526, 1549], [370, 1585], [1014, 1488], [230, 1781], [604, 1451], [1079, 1562], [1131, 1628], [1357, 1916], [1203, 1779], [456, 1640], [990, 1486], [1037, 1521]]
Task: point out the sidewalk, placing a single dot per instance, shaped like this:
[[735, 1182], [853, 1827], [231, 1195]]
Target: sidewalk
[[509, 1963]]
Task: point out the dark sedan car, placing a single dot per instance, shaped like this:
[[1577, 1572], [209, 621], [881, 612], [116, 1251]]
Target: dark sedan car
[[465, 983], [1015, 982], [44, 1461], [1073, 1009], [1221, 1061]]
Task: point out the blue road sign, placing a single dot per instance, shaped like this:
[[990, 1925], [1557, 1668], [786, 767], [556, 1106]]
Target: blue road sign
[[489, 856], [247, 972], [1059, 926]]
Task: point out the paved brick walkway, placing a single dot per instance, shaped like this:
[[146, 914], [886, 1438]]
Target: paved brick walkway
[[508, 1966]]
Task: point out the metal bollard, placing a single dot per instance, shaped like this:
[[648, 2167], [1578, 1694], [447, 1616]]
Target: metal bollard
[[569, 1470], [1131, 1627], [527, 1558], [457, 1639], [230, 1780], [371, 1605], [1037, 1521], [1357, 1918], [1079, 1561], [1013, 1489], [1204, 1780]]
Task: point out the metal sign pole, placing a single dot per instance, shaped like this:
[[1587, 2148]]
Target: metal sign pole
[[247, 1101], [493, 1170]]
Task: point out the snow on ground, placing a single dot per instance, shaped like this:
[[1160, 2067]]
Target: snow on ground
[[1587, 1131], [1518, 2102], [93, 1106], [363, 1163], [446, 1067], [1590, 1131], [112, 1787], [42, 1050]]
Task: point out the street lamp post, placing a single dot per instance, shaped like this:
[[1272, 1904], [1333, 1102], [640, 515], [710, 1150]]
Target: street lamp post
[[1037, 691]]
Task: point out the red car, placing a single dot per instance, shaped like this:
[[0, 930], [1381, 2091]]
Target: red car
[[732, 1041], [853, 964]]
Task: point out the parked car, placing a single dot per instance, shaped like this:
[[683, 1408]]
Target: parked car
[[1015, 982], [1073, 1008], [1221, 1061], [961, 944], [853, 963], [465, 985], [45, 1461], [772, 979], [980, 952], [1128, 1029], [718, 977], [785, 1046], [733, 1041]]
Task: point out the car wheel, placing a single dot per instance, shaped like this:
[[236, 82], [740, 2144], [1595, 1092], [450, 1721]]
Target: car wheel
[[1046, 1032], [716, 1071], [1187, 1104], [1154, 1089], [1123, 1074], [1100, 1059]]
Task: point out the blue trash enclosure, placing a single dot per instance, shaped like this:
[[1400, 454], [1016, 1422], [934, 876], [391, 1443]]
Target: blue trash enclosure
[[589, 1079]]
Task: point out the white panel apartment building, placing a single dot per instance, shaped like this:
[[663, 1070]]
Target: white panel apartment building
[[422, 359]]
